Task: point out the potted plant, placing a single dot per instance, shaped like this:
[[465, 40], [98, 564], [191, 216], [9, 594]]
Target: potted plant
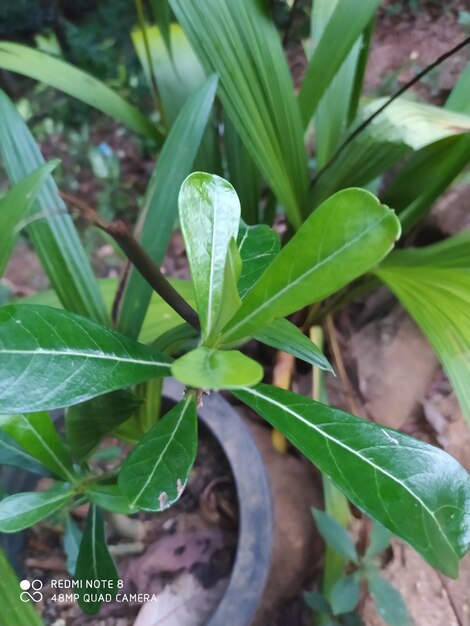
[[245, 285]]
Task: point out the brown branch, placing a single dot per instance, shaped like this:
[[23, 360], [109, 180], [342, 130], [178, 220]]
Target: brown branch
[[139, 258]]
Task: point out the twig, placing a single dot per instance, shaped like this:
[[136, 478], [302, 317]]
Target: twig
[[392, 98], [345, 382], [141, 260]]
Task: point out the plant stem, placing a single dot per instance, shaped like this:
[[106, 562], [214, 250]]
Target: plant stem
[[141, 260]]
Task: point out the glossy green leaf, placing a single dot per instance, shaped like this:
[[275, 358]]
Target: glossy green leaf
[[72, 540], [54, 238], [439, 302], [23, 510], [209, 212], [94, 562], [161, 202], [388, 601], [258, 246], [89, 422], [283, 335], [15, 205], [344, 28], [50, 358], [345, 594], [230, 301], [75, 82], [205, 368], [420, 493], [36, 434], [17, 609], [110, 497], [337, 537], [155, 474], [379, 540], [239, 42], [12, 454], [346, 236], [403, 127]]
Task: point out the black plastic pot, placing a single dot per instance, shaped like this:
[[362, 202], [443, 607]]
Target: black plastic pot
[[256, 523]]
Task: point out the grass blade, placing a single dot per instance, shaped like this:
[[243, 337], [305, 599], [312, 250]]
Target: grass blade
[[74, 82], [54, 237], [161, 204]]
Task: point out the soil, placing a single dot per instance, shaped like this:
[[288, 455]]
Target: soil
[[195, 539], [377, 342]]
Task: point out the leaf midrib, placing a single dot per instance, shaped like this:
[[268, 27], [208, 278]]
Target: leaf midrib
[[82, 354], [378, 468]]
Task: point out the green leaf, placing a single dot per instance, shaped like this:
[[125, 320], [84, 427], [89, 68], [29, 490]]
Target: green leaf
[[242, 173], [451, 253], [388, 601], [344, 28], [379, 540], [209, 212], [36, 434], [94, 563], [15, 205], [403, 127], [337, 537], [205, 368], [413, 192], [239, 42], [439, 302], [420, 493], [155, 474], [12, 454], [317, 602], [54, 238], [458, 99], [345, 594], [178, 75], [23, 510], [283, 335], [72, 539], [258, 246], [161, 202], [89, 422], [14, 609], [162, 15], [346, 236], [230, 300], [110, 497], [50, 358], [331, 116], [77, 83]]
